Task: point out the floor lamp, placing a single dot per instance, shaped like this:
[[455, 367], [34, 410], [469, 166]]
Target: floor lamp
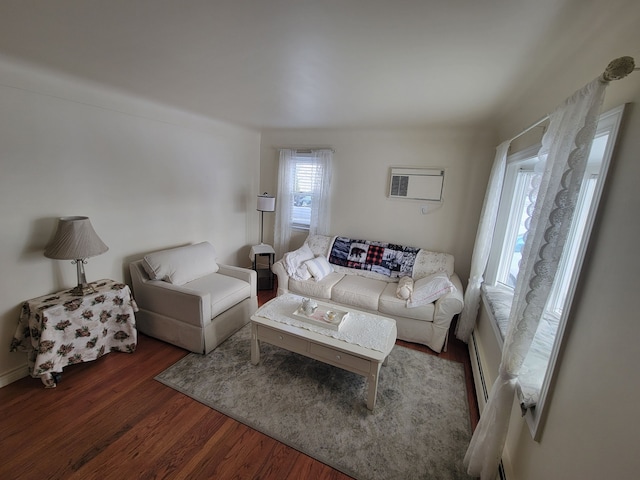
[[266, 203]]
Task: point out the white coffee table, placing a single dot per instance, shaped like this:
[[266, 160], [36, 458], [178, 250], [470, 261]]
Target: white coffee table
[[323, 347]]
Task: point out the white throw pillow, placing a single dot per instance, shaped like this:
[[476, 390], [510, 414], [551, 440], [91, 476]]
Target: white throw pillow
[[405, 288], [182, 264], [319, 267], [293, 260], [429, 289]]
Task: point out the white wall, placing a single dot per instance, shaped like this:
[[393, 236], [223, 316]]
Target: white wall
[[147, 176], [592, 429], [360, 206]]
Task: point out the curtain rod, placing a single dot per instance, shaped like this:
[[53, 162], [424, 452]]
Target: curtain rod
[[306, 150], [616, 70]]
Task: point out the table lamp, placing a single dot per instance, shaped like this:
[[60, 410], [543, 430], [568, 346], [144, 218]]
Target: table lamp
[[76, 240], [266, 203]]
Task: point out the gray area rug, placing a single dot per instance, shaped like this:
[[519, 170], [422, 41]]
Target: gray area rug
[[419, 429]]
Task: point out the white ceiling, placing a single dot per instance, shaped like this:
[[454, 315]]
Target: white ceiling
[[293, 63]]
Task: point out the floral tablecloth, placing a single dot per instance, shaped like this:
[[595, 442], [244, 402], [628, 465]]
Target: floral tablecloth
[[64, 329]]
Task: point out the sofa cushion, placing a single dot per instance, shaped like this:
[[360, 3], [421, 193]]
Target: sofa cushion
[[225, 291], [318, 289], [319, 244], [429, 289], [428, 263], [182, 264], [393, 306], [359, 291], [319, 267]]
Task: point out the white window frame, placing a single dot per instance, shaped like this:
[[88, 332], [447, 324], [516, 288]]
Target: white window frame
[[608, 123], [300, 213]]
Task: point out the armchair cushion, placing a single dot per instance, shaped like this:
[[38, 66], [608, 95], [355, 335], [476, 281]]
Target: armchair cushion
[[182, 264], [225, 291]]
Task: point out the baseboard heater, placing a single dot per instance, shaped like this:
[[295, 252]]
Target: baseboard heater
[[485, 393]]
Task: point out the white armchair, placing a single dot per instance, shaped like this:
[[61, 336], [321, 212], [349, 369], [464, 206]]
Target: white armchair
[[187, 299]]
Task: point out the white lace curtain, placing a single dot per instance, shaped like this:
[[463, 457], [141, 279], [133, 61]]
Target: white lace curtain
[[561, 165], [321, 160], [482, 247]]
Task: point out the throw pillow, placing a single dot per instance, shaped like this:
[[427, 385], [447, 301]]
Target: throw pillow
[[405, 288], [319, 267], [182, 264], [429, 289], [293, 260]]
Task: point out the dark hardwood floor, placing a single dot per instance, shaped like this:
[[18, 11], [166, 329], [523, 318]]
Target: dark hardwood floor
[[110, 419]]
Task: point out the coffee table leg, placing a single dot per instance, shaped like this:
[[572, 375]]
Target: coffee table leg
[[373, 385], [255, 344]]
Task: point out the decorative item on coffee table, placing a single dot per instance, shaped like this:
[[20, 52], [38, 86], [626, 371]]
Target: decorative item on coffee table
[[310, 312]]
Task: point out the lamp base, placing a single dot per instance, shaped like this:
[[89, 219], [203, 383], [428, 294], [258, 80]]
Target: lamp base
[[82, 289]]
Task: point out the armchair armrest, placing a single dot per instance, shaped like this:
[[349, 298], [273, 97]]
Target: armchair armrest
[[248, 275], [449, 305]]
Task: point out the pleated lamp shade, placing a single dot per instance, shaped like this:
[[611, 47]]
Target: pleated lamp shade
[[75, 239]]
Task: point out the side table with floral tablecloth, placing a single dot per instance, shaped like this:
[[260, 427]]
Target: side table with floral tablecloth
[[64, 329]]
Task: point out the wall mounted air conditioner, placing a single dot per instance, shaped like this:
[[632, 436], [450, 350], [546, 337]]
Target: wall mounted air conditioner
[[417, 184]]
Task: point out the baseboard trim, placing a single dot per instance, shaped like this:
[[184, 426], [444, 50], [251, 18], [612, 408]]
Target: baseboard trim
[[13, 375]]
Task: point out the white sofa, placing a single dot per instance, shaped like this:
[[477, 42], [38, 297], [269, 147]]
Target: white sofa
[[187, 299], [424, 323]]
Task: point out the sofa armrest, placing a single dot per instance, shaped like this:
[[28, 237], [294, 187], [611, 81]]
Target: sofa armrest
[[449, 305], [283, 277], [246, 274]]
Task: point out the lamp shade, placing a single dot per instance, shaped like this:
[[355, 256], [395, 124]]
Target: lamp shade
[[75, 239], [266, 203]]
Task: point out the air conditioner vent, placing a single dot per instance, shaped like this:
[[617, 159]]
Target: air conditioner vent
[[417, 184], [399, 185]]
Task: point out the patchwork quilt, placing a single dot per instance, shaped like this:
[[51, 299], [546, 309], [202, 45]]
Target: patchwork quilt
[[386, 258]]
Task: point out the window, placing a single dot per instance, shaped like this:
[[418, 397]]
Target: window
[[515, 208], [304, 174], [509, 239], [304, 184]]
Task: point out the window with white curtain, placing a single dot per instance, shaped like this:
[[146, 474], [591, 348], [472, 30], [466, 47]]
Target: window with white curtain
[[511, 226], [304, 185], [304, 171], [506, 252]]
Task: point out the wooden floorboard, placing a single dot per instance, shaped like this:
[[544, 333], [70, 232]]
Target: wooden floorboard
[[109, 419]]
